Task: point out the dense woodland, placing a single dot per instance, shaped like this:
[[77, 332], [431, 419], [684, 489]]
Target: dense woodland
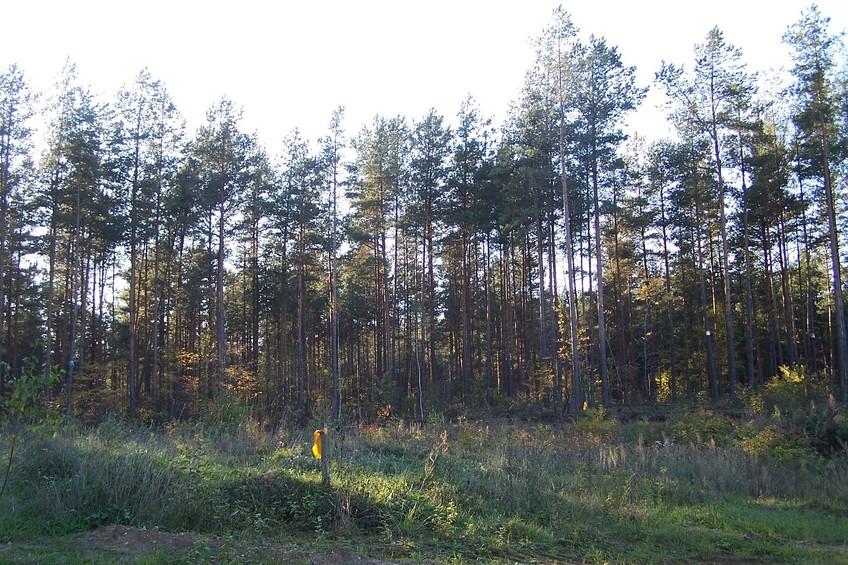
[[431, 264]]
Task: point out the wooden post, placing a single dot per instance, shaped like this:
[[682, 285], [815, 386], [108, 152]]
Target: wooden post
[[321, 450]]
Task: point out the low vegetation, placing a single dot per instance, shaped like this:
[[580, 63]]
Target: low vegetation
[[753, 484]]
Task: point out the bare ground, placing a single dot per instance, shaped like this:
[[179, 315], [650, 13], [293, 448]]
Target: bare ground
[[128, 544]]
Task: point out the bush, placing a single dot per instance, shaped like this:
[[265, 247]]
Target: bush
[[777, 442], [827, 429], [596, 423], [794, 388], [703, 427], [21, 412]]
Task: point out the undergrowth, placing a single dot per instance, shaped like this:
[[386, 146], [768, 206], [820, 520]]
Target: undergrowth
[[702, 486]]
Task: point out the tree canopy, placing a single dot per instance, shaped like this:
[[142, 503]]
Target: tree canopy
[[434, 263]]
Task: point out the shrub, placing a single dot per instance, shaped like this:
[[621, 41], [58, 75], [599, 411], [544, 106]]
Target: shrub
[[777, 442], [20, 411], [794, 388], [703, 427], [596, 423], [827, 429]]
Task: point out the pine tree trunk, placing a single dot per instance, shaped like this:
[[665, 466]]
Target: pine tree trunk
[[602, 331], [221, 338], [841, 349], [754, 378], [715, 391]]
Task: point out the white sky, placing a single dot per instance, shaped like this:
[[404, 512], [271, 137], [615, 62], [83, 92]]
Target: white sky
[[289, 64]]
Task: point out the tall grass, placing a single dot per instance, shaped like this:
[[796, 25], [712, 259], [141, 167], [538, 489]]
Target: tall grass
[[592, 491]]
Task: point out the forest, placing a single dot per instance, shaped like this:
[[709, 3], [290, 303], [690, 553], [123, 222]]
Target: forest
[[433, 265]]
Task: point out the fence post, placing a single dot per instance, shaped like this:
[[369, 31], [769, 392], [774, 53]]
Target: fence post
[[321, 450]]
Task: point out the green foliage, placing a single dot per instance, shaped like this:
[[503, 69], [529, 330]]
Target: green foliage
[[20, 411], [226, 413], [81, 481], [778, 442], [794, 417], [793, 388], [469, 491], [596, 423], [703, 427]]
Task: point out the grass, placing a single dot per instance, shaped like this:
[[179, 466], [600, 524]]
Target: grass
[[596, 491]]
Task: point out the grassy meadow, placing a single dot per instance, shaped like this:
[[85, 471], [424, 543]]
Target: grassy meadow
[[698, 486]]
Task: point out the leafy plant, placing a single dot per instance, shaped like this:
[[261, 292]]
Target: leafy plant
[[702, 427], [596, 422], [778, 442], [793, 388], [20, 411]]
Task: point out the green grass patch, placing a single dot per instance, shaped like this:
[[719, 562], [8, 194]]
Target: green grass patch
[[597, 491]]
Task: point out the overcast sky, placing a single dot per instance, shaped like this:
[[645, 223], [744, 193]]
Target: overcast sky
[[289, 64]]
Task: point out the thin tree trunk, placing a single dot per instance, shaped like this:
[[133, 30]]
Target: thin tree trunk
[[301, 376], [602, 332], [775, 356], [786, 291], [132, 362], [466, 321], [841, 349], [725, 251], [69, 377], [754, 378], [669, 300], [715, 392], [490, 385], [335, 407], [542, 301], [5, 189], [810, 339], [221, 338], [283, 352], [576, 403]]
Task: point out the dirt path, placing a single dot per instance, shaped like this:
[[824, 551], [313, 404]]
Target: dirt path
[[128, 544]]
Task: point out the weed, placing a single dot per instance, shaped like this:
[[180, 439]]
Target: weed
[[464, 492]]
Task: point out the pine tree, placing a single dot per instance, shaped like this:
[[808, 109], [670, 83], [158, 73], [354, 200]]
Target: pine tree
[[223, 154], [817, 120], [704, 103], [16, 109]]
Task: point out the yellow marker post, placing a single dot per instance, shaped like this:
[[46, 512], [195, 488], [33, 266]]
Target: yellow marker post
[[320, 449]]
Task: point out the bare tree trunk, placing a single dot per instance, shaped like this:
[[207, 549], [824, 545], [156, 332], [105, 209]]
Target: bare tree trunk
[[301, 370], [69, 377], [602, 331], [786, 291], [838, 297], [754, 378], [725, 251], [715, 391], [810, 338], [576, 404], [490, 384], [466, 321], [775, 354], [221, 338], [283, 352], [5, 189], [543, 330], [669, 301]]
